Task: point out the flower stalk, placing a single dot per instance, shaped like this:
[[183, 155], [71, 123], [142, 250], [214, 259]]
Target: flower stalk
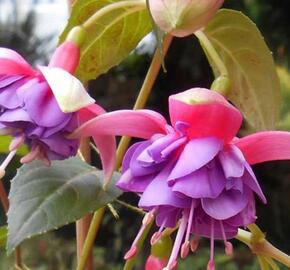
[[145, 91], [265, 251]]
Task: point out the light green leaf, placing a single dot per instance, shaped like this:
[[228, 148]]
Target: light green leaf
[[111, 37], [4, 146], [44, 198], [255, 86], [3, 236]]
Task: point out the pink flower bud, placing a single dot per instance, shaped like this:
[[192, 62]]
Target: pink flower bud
[[183, 17], [155, 263]]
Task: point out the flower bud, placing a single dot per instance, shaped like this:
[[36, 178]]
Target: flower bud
[[183, 17]]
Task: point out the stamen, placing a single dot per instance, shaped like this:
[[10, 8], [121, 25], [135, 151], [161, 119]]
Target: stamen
[[32, 155], [194, 243], [211, 264], [157, 235], [186, 245], [16, 142], [6, 162], [178, 240], [228, 245], [149, 217], [131, 253]]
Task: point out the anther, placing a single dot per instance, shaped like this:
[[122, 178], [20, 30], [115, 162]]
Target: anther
[[155, 238], [194, 243], [185, 249], [211, 265], [131, 253]]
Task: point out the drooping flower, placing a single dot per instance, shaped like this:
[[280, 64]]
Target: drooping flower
[[40, 107], [193, 173], [183, 17]]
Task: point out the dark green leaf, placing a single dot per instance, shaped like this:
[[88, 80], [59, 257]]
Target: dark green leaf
[[44, 198], [255, 86], [110, 38]]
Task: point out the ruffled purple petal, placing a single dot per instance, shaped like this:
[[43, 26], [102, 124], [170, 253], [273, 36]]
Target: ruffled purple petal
[[15, 115], [207, 182], [168, 216], [128, 156], [159, 193], [227, 205], [232, 161], [138, 168], [196, 154], [133, 184], [250, 180], [202, 226], [41, 104]]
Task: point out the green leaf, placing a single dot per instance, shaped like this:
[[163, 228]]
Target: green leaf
[[255, 88], [4, 146], [44, 198], [111, 37], [3, 236]]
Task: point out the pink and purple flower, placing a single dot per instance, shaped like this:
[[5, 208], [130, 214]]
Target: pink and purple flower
[[194, 173]]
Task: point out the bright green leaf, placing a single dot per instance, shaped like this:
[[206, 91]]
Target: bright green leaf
[[3, 236], [44, 198], [111, 37], [255, 85], [4, 146]]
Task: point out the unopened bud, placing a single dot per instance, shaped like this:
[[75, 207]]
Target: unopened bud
[[183, 17]]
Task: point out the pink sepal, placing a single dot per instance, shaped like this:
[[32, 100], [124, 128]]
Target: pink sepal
[[139, 123], [11, 63], [207, 112], [265, 146]]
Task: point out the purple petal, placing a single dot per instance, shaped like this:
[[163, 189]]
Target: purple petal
[[195, 154], [159, 193], [250, 180], [128, 156], [134, 184], [227, 205], [232, 161], [168, 216], [6, 80], [15, 115], [60, 145], [235, 183], [41, 104], [61, 127], [207, 182], [202, 226], [137, 167], [246, 216], [8, 95]]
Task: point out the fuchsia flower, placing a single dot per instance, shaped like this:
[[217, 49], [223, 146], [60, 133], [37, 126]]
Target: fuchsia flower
[[193, 173], [41, 107]]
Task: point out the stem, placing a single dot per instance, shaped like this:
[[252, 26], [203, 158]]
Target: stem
[[83, 225], [145, 91], [3, 197], [131, 262], [209, 48], [137, 4], [266, 249], [92, 233]]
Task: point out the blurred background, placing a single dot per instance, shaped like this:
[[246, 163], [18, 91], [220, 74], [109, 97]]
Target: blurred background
[[31, 27]]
